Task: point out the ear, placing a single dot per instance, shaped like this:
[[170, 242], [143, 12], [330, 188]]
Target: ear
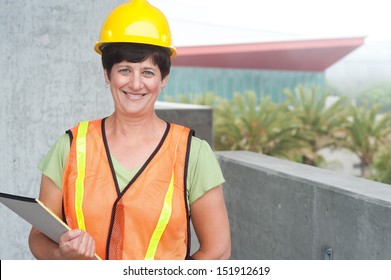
[[107, 78], [164, 81]]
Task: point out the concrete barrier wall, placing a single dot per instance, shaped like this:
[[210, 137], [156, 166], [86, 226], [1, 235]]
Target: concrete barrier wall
[[197, 117], [284, 210]]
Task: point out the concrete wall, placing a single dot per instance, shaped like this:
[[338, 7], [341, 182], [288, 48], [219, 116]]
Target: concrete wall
[[50, 79], [284, 210], [197, 117]]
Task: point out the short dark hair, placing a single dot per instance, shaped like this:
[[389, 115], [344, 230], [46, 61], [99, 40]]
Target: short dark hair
[[133, 52]]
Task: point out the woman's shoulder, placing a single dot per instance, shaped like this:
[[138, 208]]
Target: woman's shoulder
[[199, 146], [53, 163], [204, 171], [196, 142]]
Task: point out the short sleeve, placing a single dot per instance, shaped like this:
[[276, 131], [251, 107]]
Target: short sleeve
[[204, 171], [53, 164]]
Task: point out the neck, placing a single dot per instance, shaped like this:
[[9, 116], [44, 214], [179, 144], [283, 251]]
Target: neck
[[117, 125]]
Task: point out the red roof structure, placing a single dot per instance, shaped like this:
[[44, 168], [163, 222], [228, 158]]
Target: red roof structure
[[303, 55]]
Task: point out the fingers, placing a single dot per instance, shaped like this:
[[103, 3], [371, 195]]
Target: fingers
[[76, 244], [88, 244]]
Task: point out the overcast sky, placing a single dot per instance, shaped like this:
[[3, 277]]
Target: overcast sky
[[198, 22]]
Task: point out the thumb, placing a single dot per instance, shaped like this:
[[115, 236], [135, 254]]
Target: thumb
[[72, 234]]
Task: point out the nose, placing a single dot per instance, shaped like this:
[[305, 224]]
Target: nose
[[135, 82]]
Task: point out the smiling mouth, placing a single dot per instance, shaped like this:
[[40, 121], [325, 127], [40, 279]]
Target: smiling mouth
[[134, 96]]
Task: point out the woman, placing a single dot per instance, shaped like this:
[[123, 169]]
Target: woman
[[129, 184]]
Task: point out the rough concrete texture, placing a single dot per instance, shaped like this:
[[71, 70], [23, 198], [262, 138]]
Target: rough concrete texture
[[283, 210]]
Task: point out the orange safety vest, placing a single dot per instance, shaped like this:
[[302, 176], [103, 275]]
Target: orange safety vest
[[149, 219]]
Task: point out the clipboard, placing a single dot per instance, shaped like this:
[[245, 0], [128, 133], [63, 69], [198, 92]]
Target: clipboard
[[37, 214]]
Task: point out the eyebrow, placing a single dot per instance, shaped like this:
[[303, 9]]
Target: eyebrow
[[144, 68]]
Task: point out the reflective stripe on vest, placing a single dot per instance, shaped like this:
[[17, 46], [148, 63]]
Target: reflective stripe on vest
[[81, 172], [164, 216], [162, 223]]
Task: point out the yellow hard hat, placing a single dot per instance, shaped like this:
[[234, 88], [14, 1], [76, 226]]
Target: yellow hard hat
[[136, 21]]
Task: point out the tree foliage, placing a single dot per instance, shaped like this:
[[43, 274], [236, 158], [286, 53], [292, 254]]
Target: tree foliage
[[302, 125], [368, 134], [246, 123], [321, 125], [379, 93]]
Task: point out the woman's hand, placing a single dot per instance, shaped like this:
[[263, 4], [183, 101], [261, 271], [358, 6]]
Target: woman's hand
[[76, 245]]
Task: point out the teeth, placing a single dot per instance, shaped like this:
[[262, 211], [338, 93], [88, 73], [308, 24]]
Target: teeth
[[134, 96]]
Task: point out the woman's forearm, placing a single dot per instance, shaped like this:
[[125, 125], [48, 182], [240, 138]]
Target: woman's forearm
[[42, 247]]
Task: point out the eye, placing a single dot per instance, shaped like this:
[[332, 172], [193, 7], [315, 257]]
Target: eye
[[148, 73], [124, 71]]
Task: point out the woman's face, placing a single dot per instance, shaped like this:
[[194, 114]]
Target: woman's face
[[135, 87]]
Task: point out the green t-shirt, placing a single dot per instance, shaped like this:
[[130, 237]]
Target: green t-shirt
[[204, 172]]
